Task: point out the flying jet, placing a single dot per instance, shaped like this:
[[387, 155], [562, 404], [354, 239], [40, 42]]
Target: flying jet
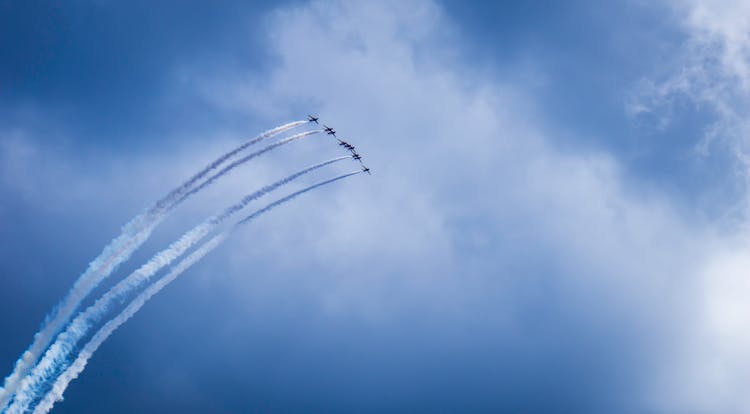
[[365, 169], [311, 118], [346, 145], [357, 156], [328, 130]]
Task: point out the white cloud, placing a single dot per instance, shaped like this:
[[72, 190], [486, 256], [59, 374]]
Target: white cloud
[[467, 200], [709, 371], [449, 146], [711, 70]]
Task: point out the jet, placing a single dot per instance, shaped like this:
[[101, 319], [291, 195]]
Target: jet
[[346, 145], [357, 156], [365, 169], [328, 130], [311, 118]]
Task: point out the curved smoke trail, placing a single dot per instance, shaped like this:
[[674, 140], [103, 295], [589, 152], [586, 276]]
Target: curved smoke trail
[[55, 394], [61, 384], [243, 160], [179, 191], [33, 384], [132, 236]]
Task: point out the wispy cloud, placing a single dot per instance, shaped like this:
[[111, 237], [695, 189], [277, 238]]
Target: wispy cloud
[[710, 71]]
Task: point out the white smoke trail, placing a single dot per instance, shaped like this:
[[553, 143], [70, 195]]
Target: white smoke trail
[[61, 384], [132, 236], [243, 160], [57, 353], [177, 192], [56, 392]]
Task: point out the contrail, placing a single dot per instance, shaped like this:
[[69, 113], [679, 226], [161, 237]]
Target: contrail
[[132, 236], [56, 392], [243, 160], [179, 191], [56, 355]]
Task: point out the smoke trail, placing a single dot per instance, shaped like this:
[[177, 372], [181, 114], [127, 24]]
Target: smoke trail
[[59, 350], [56, 392], [177, 192], [243, 160], [132, 236]]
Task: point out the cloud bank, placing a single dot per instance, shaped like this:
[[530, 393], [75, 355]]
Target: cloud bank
[[483, 266]]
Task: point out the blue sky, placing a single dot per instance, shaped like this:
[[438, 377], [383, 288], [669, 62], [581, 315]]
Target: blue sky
[[556, 221]]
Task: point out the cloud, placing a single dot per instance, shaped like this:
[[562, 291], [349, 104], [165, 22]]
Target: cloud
[[470, 202], [708, 70], [480, 263]]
